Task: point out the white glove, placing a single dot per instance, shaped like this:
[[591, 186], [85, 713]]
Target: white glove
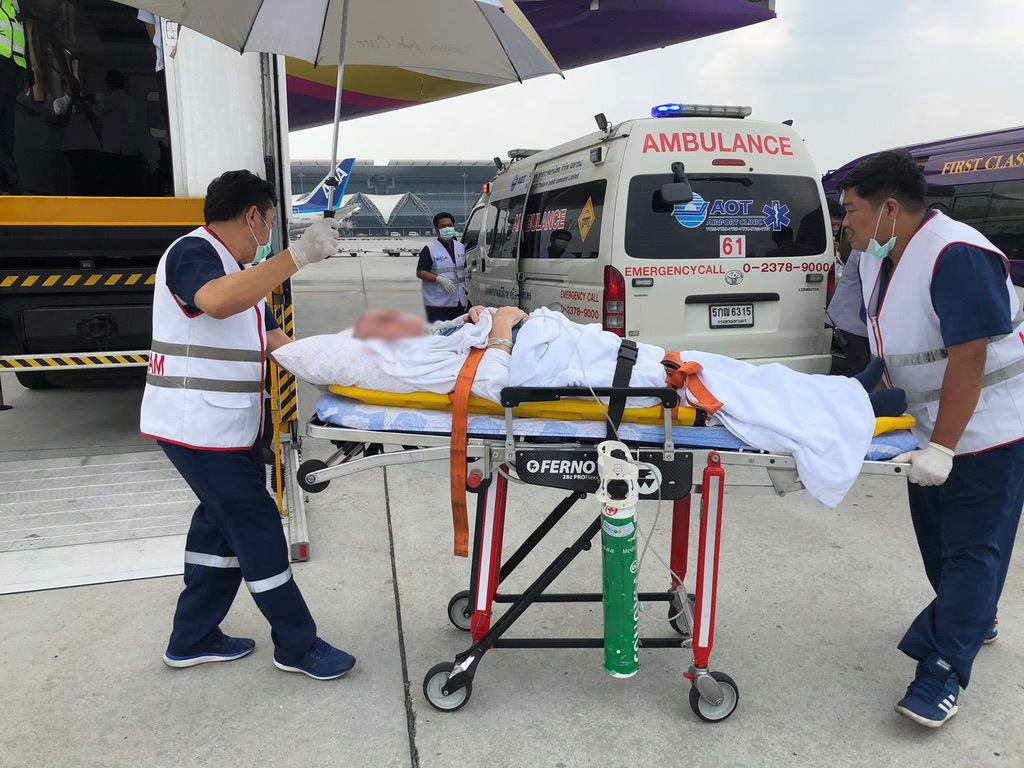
[[930, 466], [445, 283], [319, 241]]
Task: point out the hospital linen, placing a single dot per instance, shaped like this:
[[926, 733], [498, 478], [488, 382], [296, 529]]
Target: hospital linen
[[825, 422]]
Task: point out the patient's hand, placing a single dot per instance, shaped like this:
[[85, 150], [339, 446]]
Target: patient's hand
[[475, 313], [510, 315]]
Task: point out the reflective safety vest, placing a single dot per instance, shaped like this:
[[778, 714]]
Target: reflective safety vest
[[434, 294], [204, 385], [904, 330], [12, 33]]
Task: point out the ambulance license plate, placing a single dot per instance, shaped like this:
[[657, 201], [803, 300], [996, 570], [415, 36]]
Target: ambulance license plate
[[732, 315]]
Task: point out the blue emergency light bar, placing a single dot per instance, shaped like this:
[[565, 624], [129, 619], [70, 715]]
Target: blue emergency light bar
[[699, 110]]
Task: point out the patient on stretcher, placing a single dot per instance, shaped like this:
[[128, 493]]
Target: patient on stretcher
[[825, 422]]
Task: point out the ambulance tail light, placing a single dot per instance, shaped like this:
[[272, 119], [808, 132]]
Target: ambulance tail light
[[614, 301], [729, 161], [487, 188]]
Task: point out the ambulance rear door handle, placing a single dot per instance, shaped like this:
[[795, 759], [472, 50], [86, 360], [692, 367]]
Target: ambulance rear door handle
[[730, 298]]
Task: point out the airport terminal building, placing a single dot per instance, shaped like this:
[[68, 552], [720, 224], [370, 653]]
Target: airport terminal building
[[403, 195]]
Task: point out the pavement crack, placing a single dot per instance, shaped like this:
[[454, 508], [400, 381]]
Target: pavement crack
[[410, 712]]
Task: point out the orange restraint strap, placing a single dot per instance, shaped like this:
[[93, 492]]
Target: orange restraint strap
[[460, 419], [683, 376]]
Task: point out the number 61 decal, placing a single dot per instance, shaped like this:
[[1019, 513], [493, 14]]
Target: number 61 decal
[[732, 246]]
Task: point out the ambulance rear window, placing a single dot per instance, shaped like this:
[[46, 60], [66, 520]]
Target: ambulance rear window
[[761, 216]]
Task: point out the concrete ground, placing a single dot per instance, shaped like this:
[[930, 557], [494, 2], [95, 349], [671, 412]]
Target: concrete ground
[[811, 605]]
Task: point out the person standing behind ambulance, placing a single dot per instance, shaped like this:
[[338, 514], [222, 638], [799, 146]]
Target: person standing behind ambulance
[[15, 77], [442, 268], [203, 404], [944, 316]]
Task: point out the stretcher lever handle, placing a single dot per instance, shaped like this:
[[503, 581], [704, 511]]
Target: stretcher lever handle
[[513, 396]]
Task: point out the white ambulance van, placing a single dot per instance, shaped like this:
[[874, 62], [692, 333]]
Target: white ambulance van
[[692, 229]]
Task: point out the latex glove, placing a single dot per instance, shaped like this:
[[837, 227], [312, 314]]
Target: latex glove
[[930, 466], [445, 283], [319, 241]]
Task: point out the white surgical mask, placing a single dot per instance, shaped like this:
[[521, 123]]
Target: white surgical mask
[[881, 251]]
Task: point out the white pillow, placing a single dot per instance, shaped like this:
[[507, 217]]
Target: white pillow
[[337, 359]]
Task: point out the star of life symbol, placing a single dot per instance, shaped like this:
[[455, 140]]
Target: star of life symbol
[[776, 216]]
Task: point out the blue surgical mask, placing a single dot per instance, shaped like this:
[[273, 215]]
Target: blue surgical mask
[[881, 251], [266, 250], [447, 233]]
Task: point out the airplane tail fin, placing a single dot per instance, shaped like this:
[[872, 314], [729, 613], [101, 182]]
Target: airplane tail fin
[[317, 199]]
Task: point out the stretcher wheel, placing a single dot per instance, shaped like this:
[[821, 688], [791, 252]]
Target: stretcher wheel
[[435, 678], [709, 712], [676, 621], [459, 613], [312, 465]]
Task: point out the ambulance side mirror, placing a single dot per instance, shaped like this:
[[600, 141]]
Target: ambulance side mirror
[[676, 193]]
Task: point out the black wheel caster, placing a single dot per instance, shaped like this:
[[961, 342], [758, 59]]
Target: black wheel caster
[[676, 622], [435, 679], [716, 713], [312, 465], [459, 612]]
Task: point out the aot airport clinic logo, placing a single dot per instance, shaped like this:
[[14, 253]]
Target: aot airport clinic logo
[[692, 214]]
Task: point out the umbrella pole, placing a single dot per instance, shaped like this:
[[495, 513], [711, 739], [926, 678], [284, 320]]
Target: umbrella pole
[[337, 106]]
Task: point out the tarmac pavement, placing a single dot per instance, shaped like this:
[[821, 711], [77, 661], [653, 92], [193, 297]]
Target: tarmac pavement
[[811, 605]]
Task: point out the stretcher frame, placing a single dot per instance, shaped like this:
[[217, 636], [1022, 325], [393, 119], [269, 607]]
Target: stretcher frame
[[447, 686]]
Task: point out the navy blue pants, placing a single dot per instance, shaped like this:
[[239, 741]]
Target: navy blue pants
[[236, 534], [965, 529], [434, 314]]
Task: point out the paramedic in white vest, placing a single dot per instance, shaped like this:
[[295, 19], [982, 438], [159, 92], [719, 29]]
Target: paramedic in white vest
[[203, 404], [943, 315], [442, 268]]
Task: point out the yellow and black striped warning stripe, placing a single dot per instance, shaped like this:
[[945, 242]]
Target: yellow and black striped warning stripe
[[77, 280], [90, 360], [288, 392]]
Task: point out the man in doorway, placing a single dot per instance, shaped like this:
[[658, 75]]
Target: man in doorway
[[120, 150], [442, 269], [15, 78]]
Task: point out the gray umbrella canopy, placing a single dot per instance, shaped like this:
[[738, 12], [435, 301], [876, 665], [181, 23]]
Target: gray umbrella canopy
[[485, 41]]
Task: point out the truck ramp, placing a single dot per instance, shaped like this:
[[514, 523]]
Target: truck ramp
[[91, 519]]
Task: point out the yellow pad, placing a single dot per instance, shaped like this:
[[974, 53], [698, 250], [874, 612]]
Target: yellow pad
[[566, 410]]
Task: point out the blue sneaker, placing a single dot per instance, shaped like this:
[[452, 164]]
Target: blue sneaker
[[993, 633], [226, 649], [321, 662], [931, 698]]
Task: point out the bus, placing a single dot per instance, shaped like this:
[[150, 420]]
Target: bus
[[977, 179]]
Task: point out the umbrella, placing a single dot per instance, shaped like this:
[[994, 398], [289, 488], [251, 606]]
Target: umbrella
[[486, 41]]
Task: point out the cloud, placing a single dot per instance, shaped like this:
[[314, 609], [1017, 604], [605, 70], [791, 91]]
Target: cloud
[[854, 76]]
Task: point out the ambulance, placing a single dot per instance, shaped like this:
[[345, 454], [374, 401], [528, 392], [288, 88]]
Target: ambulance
[[692, 229]]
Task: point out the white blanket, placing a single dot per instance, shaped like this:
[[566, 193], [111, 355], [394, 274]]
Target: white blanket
[[825, 422]]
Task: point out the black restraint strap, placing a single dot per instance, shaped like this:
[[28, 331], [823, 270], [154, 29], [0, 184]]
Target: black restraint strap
[[623, 370]]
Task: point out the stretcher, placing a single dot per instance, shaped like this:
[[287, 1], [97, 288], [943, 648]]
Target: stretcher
[[547, 437]]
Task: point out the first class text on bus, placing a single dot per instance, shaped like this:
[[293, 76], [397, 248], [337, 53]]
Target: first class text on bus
[[705, 141]]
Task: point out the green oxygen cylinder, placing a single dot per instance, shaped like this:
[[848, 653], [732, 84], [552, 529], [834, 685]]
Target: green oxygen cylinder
[[618, 492]]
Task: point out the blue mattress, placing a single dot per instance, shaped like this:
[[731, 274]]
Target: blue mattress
[[346, 412]]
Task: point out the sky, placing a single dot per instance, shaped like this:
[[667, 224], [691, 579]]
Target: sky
[[855, 76]]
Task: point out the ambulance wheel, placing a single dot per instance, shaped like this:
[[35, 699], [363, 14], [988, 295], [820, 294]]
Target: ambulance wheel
[[353, 254], [313, 465], [675, 621], [459, 613], [709, 712], [33, 379], [394, 253], [435, 678]]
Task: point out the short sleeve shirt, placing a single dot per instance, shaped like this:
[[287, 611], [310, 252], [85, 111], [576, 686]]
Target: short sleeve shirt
[[191, 263]]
